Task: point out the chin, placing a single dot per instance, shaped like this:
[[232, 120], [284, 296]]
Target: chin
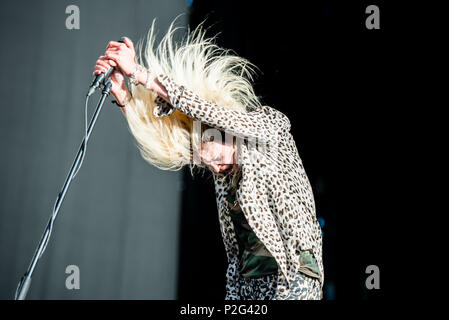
[[225, 167]]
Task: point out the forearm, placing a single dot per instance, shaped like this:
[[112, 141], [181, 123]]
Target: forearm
[[154, 85], [123, 98], [254, 124]]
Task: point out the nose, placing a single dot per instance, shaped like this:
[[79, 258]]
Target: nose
[[215, 167]]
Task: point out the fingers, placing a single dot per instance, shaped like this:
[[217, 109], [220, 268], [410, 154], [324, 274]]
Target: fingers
[[99, 70], [122, 54], [109, 61], [115, 44], [112, 51], [103, 64], [128, 43], [112, 55], [104, 59]]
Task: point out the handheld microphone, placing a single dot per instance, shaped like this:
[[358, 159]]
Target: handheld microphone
[[100, 78]]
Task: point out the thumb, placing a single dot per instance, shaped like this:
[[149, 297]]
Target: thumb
[[128, 42]]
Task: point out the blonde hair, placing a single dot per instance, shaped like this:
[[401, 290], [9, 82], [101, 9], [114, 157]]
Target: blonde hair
[[197, 63]]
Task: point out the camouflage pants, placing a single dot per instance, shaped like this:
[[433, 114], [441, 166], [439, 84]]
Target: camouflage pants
[[264, 288]]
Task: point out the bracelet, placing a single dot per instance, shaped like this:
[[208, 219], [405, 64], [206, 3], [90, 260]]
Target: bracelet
[[133, 78], [127, 100]]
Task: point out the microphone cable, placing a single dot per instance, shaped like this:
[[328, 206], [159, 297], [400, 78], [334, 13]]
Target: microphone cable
[[49, 227], [80, 163]]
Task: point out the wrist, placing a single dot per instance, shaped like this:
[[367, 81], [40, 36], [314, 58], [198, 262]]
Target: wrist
[[135, 76], [150, 79], [146, 79], [142, 76]]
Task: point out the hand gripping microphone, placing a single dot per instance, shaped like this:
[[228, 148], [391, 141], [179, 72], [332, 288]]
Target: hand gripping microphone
[[100, 78]]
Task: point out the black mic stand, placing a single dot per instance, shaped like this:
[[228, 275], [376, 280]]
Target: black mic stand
[[25, 281]]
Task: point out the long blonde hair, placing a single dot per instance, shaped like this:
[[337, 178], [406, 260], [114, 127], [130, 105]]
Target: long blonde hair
[[196, 62]]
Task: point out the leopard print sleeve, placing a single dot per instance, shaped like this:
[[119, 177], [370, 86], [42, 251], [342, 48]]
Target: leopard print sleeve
[[162, 108], [264, 122]]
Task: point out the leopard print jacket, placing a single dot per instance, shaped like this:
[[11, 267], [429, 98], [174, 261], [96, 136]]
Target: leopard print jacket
[[274, 193]]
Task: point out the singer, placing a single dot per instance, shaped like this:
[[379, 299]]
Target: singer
[[181, 95]]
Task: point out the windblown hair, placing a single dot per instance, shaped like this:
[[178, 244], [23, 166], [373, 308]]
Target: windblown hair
[[197, 63]]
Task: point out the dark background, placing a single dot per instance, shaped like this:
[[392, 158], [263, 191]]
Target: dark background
[[140, 233], [339, 83]]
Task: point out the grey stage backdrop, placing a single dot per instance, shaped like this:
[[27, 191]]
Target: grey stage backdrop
[[119, 220]]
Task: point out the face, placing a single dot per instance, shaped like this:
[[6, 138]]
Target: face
[[218, 156]]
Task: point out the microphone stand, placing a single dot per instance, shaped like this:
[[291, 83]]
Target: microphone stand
[[25, 281]]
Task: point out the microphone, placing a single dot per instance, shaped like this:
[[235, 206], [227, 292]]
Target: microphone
[[100, 78]]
